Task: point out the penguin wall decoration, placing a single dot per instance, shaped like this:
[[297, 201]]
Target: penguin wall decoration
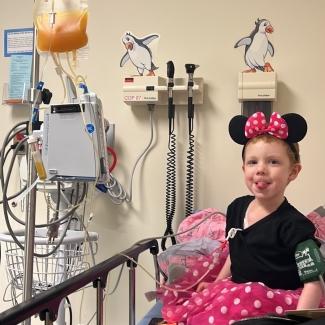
[[138, 52], [257, 46]]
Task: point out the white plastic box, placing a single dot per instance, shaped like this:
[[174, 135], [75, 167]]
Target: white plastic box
[[259, 86]]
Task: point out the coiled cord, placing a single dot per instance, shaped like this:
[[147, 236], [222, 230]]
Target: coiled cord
[[171, 177], [171, 161], [190, 173], [170, 189]]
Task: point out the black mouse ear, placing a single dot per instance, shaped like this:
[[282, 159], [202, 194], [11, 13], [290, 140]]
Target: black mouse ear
[[297, 127], [237, 129]]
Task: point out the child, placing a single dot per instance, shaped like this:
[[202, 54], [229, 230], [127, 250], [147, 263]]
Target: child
[[260, 275]]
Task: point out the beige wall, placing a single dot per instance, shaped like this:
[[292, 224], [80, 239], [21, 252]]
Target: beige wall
[[203, 33]]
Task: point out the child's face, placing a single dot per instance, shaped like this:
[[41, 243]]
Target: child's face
[[268, 169]]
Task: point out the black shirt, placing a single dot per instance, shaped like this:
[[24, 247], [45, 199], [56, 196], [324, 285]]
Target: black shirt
[[264, 252]]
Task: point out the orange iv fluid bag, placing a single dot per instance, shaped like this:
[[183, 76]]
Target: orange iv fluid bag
[[61, 27]]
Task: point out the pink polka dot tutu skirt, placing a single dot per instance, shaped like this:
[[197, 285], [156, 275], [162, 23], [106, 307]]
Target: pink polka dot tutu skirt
[[224, 302]]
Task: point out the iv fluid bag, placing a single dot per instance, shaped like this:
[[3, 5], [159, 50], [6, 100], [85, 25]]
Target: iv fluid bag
[[61, 25]]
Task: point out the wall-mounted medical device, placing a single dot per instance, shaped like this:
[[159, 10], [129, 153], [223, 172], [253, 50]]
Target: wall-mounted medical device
[[140, 90], [74, 142], [257, 91], [257, 86]]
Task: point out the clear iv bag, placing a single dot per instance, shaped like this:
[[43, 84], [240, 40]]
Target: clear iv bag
[[61, 25]]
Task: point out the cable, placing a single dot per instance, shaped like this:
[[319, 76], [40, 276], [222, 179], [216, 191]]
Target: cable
[[163, 285], [59, 69], [77, 78], [6, 207], [8, 138], [117, 281], [190, 68], [189, 175], [4, 157], [58, 201], [171, 159], [211, 266], [112, 152], [145, 151], [5, 198], [4, 183], [170, 188], [210, 214], [88, 239], [10, 135], [113, 188], [70, 309]]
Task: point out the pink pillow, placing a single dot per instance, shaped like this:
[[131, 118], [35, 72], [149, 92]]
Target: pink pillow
[[319, 222], [213, 227]]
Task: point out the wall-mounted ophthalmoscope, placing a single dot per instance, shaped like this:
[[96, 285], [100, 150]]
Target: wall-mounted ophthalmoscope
[[189, 200]]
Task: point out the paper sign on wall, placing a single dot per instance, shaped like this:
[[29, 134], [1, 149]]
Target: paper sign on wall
[[18, 41], [20, 75]]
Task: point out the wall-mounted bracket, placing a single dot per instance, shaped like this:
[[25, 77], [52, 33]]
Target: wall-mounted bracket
[[140, 90]]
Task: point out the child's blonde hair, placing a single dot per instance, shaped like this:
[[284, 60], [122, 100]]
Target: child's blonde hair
[[292, 148]]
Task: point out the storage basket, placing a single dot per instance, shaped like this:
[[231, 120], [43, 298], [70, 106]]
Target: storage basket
[[67, 261]]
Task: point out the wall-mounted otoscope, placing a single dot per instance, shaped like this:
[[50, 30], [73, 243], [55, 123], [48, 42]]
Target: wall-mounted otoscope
[[171, 159], [190, 68], [170, 86]]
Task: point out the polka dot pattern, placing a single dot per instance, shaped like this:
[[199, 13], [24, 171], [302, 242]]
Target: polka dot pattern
[[270, 294], [248, 289], [221, 302], [288, 300], [226, 302], [257, 304], [257, 125], [244, 312]]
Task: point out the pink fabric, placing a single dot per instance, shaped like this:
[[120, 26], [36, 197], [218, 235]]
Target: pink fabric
[[213, 227], [319, 222], [256, 125], [225, 302], [222, 302]]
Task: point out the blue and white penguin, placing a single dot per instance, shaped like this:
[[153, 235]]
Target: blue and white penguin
[[257, 46], [139, 53]]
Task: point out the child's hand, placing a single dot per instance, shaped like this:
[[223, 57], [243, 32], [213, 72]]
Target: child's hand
[[202, 286]]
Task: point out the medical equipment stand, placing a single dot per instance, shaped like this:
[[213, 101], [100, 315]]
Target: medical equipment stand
[[31, 196]]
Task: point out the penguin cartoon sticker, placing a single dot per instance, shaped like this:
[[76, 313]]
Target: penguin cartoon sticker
[[257, 46], [139, 53]]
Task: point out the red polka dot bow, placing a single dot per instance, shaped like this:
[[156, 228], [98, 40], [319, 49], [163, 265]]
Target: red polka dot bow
[[256, 125]]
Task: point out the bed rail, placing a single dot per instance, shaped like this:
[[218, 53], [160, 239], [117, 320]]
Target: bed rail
[[46, 304]]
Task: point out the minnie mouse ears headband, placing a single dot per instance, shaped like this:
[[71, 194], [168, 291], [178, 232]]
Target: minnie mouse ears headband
[[290, 127]]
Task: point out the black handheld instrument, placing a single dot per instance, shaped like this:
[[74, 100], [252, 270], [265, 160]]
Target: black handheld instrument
[[171, 159], [190, 68]]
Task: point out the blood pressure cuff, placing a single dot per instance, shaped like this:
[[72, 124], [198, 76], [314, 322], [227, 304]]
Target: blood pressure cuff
[[310, 261]]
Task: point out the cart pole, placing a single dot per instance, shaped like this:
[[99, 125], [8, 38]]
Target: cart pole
[[30, 199]]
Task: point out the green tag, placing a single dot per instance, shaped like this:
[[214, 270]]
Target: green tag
[[310, 261]]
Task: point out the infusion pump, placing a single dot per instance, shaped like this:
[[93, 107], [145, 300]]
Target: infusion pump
[[74, 143]]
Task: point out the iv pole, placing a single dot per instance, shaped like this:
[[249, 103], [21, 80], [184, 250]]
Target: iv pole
[[31, 196]]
